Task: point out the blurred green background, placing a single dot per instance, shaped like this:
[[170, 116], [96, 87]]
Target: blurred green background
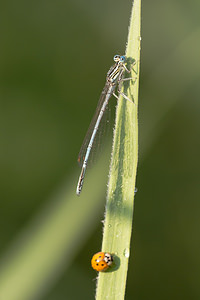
[[54, 56]]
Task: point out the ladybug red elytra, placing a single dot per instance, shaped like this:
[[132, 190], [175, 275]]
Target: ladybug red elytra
[[101, 261]]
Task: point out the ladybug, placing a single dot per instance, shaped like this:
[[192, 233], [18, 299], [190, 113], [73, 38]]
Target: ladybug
[[101, 261]]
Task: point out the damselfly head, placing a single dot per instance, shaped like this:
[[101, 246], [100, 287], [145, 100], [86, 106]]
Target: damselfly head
[[119, 58]]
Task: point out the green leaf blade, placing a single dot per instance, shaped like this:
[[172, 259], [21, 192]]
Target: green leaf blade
[[120, 198]]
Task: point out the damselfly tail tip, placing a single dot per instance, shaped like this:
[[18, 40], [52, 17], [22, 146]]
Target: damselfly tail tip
[[78, 191]]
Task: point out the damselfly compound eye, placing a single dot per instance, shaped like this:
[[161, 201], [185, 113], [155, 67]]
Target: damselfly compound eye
[[116, 58], [122, 59]]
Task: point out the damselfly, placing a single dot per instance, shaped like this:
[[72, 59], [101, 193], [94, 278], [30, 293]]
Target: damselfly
[[114, 78]]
